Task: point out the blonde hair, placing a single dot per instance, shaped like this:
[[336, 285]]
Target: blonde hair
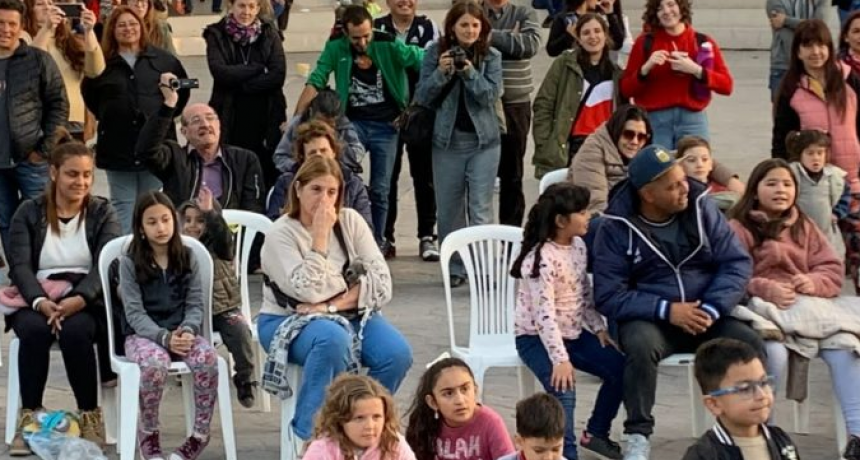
[[314, 167], [341, 396]]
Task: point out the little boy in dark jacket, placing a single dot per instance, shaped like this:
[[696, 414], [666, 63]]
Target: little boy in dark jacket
[[739, 393]]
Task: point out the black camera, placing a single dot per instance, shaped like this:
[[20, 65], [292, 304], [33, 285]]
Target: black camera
[[459, 56], [184, 83]]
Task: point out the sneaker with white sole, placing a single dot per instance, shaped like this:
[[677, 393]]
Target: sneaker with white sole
[[428, 250], [638, 448]]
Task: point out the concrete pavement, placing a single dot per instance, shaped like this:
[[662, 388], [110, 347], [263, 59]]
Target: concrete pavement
[[740, 128]]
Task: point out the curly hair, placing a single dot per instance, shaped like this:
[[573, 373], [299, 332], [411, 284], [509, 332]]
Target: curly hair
[[341, 396], [652, 22], [311, 130]]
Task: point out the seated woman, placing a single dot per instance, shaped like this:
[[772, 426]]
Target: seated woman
[[324, 107], [57, 238], [601, 162], [794, 267], [325, 282], [312, 139]]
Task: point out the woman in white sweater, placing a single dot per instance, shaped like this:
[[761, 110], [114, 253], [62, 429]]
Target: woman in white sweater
[[325, 281]]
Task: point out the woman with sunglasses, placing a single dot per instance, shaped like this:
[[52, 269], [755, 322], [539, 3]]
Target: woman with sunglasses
[[603, 158]]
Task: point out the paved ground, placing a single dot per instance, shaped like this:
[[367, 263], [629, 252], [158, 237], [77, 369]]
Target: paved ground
[[740, 127]]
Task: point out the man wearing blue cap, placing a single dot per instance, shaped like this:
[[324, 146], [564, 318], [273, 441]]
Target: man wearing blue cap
[[670, 272]]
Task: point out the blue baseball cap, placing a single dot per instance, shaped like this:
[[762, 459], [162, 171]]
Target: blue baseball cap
[[649, 164]]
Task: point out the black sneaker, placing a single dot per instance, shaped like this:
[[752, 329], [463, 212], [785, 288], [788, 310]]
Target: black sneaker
[[427, 249], [604, 447], [852, 449], [245, 393], [388, 250]]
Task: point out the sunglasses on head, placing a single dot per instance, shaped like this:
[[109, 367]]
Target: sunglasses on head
[[629, 135]]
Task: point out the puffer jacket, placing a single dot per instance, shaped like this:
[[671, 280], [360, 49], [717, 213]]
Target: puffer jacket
[[181, 171], [27, 236], [717, 444], [635, 280], [355, 194], [555, 109], [36, 101], [226, 293], [483, 87], [123, 98]]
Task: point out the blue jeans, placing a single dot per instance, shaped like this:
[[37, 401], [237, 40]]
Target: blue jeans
[[463, 179], [586, 354], [774, 82], [125, 187], [322, 349], [22, 182], [670, 125], [380, 138]]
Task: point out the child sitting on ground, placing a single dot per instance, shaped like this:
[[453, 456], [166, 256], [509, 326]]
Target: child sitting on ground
[[358, 421], [694, 154], [202, 221], [445, 417], [557, 326], [823, 193], [540, 429], [739, 393]]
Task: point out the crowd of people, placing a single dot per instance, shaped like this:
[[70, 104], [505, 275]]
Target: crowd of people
[[691, 258]]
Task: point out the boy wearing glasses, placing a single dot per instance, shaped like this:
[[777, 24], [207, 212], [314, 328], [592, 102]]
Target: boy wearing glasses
[[739, 393]]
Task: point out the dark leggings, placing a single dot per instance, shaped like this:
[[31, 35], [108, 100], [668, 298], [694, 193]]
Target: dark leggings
[[76, 341]]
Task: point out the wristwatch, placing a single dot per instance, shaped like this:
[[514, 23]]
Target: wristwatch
[[331, 308]]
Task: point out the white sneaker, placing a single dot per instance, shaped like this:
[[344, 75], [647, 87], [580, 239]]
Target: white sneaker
[[638, 448]]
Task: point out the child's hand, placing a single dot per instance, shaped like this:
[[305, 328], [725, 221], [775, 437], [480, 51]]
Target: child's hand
[[803, 284], [606, 340], [563, 377], [205, 199], [179, 343], [784, 295]]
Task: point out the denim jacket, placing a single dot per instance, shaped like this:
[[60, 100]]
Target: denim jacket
[[483, 87]]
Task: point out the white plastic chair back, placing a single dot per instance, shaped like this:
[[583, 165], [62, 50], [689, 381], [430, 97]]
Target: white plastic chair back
[[487, 252], [247, 224], [552, 177]]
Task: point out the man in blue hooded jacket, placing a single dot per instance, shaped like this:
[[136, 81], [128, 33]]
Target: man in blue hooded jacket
[[670, 272]]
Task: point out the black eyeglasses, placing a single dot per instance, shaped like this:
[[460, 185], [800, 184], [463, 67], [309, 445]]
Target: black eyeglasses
[[746, 390]]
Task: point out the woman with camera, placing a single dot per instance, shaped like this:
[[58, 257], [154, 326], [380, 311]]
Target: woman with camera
[[462, 78], [248, 67], [325, 282], [122, 98], [70, 40]]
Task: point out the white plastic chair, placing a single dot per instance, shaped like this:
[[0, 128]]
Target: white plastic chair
[[289, 447], [552, 177], [801, 420], [487, 252], [129, 372], [248, 224], [697, 409]]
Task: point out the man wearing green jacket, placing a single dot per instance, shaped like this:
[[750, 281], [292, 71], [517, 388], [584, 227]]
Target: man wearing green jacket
[[370, 77]]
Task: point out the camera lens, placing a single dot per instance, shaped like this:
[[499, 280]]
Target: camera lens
[[174, 83]]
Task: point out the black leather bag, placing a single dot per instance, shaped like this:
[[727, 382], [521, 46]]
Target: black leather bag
[[416, 122]]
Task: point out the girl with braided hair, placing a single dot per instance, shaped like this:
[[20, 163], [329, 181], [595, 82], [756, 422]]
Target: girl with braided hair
[[554, 301]]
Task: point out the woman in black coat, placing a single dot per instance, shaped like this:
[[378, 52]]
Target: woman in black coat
[[122, 98], [248, 67]]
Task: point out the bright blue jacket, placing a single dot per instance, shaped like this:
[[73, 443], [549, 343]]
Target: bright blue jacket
[[634, 280]]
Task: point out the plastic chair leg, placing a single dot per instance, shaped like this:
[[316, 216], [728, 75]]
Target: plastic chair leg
[[188, 402], [801, 416], [225, 408], [288, 411], [129, 391], [109, 407], [260, 360], [478, 370], [527, 382], [700, 417], [13, 391]]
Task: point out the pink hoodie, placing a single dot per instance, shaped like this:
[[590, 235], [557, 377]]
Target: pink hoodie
[[328, 449]]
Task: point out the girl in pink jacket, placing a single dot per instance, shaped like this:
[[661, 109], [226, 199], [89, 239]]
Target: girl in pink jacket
[[792, 258], [358, 421]]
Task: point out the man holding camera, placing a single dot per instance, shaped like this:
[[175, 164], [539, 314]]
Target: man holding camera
[[33, 104], [516, 34], [370, 78], [233, 174]]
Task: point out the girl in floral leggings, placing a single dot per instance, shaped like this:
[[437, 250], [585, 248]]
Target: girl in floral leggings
[[160, 287]]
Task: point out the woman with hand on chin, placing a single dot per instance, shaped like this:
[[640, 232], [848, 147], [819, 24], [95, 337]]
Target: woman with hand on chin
[[672, 71], [466, 136], [562, 32], [325, 283]]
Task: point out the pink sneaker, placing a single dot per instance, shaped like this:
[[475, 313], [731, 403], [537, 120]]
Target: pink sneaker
[[191, 449], [149, 445]]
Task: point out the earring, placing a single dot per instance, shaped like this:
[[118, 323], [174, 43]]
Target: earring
[[436, 415]]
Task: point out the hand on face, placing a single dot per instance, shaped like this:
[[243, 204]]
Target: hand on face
[[324, 217]]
